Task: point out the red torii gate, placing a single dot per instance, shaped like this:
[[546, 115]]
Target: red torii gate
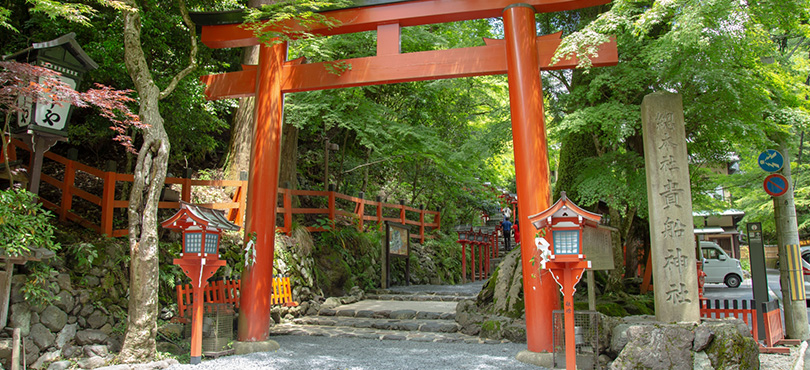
[[521, 56]]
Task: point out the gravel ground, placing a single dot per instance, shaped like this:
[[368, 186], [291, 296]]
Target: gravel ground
[[305, 352]]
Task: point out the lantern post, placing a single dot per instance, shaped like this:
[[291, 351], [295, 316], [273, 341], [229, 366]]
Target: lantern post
[[202, 230], [563, 257], [44, 122]]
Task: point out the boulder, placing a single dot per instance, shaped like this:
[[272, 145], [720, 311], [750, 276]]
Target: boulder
[[172, 330], [65, 301], [95, 350], [63, 280], [46, 358], [93, 362], [654, 347], [59, 365], [66, 335], [41, 336], [5, 348], [20, 318], [96, 319], [733, 347], [53, 318], [70, 351], [90, 336]]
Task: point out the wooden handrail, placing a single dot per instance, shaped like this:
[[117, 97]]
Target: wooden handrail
[[235, 208]]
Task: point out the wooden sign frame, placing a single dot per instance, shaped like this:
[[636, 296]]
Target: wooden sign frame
[[397, 244]]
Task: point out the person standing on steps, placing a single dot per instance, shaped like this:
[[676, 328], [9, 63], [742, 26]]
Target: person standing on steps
[[507, 213], [507, 233], [517, 233]]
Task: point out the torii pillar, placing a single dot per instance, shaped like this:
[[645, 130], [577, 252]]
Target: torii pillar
[[521, 56], [531, 166]]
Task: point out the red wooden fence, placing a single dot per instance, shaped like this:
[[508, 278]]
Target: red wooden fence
[[339, 206], [747, 313], [227, 291]]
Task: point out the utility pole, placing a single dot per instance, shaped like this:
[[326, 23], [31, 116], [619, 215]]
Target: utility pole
[[787, 233]]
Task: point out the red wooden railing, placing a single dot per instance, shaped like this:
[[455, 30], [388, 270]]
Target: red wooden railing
[[227, 291], [235, 208], [747, 313]]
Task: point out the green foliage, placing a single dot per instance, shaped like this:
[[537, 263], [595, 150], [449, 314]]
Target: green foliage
[[24, 224], [84, 254], [37, 290], [290, 19]]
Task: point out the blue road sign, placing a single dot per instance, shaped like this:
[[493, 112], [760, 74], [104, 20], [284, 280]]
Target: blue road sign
[[771, 160], [775, 185]]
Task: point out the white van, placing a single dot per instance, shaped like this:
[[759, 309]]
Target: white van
[[719, 267]]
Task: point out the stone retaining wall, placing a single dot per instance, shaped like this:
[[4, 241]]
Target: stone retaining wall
[[76, 326]]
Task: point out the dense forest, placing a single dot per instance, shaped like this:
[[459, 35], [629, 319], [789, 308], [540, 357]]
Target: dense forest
[[742, 68]]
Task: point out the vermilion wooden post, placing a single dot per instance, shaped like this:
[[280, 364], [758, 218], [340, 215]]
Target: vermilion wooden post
[[531, 165], [422, 224], [379, 213], [402, 211], [463, 261], [473, 244], [254, 318], [361, 211], [185, 193], [331, 196], [108, 200], [438, 220], [67, 185]]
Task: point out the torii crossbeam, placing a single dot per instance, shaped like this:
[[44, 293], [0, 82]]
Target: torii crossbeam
[[521, 55]]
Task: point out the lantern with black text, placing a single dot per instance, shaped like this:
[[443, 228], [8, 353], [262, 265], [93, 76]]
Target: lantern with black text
[[202, 230], [44, 122]]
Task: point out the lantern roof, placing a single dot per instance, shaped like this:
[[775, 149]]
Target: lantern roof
[[190, 214], [564, 207], [63, 50]]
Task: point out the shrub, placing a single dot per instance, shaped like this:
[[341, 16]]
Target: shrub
[[23, 223]]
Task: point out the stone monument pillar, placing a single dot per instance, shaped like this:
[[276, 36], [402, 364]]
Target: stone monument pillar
[[669, 196]]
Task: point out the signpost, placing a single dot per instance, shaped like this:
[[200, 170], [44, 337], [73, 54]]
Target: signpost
[[775, 185], [771, 160], [759, 278]]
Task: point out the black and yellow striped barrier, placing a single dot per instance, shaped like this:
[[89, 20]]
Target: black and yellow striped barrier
[[795, 274]]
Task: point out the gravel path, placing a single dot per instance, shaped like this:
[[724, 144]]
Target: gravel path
[[305, 352]]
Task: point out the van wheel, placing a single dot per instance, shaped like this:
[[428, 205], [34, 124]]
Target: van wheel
[[733, 281]]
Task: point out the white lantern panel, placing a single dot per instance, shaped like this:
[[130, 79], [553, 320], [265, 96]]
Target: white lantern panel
[[193, 243], [566, 241], [211, 241]]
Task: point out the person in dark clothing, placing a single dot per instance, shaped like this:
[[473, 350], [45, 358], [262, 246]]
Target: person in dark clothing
[[507, 233]]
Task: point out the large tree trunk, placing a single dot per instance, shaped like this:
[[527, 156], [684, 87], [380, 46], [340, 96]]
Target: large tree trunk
[[149, 175], [289, 157]]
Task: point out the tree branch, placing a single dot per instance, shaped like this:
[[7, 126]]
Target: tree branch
[[192, 57], [371, 163]]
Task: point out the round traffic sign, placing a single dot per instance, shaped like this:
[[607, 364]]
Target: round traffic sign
[[771, 160], [775, 185]]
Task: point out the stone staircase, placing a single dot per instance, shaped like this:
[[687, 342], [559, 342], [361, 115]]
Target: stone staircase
[[389, 315]]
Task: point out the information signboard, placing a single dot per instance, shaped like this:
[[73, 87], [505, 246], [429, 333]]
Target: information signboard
[[397, 244]]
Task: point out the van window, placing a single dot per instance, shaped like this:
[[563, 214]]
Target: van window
[[711, 253]]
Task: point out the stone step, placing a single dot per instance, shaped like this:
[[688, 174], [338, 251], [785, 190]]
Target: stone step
[[399, 310], [436, 297], [379, 334], [409, 324]]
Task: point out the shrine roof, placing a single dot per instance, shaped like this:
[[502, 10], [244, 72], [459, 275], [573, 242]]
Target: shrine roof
[[211, 218], [67, 41]]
